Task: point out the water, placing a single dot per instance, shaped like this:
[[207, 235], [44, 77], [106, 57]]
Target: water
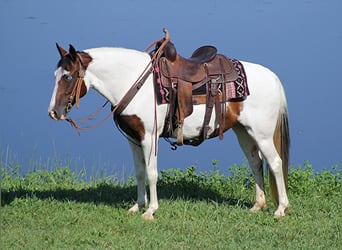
[[299, 40]]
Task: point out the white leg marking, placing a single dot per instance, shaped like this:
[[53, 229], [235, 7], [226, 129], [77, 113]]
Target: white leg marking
[[275, 163], [139, 165], [152, 175], [145, 163], [251, 151]]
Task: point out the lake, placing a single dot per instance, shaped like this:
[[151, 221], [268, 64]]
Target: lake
[[299, 40]]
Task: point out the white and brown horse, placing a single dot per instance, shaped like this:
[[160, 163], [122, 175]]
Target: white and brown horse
[[260, 122]]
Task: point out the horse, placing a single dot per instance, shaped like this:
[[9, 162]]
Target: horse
[[260, 122]]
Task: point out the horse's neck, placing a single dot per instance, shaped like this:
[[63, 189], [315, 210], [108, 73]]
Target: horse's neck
[[114, 70]]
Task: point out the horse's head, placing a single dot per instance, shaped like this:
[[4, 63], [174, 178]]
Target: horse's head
[[69, 82]]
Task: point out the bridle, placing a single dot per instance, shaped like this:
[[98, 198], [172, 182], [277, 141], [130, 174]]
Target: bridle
[[126, 99], [76, 91]]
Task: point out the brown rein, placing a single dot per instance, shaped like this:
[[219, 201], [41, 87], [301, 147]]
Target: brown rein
[[126, 99]]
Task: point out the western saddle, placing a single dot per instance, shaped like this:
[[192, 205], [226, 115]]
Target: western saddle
[[183, 76]]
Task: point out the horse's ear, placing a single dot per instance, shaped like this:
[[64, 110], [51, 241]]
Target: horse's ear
[[61, 51], [72, 52]]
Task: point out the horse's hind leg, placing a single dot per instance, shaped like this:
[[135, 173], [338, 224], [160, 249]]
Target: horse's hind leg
[[274, 161], [251, 151]]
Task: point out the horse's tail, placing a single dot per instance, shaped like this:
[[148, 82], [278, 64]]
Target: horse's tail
[[281, 140]]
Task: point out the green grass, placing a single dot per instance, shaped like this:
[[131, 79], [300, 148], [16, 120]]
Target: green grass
[[206, 210]]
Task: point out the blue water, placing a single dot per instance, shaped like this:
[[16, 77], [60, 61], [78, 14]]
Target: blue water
[[300, 40]]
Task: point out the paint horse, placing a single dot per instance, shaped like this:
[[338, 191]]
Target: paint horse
[[260, 121]]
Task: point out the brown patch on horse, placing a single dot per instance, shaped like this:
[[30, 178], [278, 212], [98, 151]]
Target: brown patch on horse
[[74, 65], [132, 125], [231, 118], [69, 60], [71, 87]]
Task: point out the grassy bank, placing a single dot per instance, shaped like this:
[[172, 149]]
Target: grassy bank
[[60, 210]]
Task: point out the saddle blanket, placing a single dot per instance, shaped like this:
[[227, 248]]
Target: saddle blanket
[[232, 91]]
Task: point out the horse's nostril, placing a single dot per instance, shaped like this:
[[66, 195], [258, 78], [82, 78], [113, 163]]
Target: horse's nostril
[[53, 114], [68, 107]]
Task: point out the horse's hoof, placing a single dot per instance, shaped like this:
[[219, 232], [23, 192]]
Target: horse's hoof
[[147, 217], [280, 212], [257, 207], [134, 209]]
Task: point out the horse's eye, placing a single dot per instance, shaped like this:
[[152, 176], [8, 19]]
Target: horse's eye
[[68, 78]]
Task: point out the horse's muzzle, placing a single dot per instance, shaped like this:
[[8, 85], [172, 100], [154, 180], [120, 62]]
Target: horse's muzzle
[[54, 115]]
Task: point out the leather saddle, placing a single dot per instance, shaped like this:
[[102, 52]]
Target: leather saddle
[[203, 62], [184, 75]]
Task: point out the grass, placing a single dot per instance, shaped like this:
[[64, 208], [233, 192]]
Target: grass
[[60, 210]]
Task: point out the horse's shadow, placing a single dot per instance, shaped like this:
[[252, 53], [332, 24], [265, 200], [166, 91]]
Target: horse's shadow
[[101, 194], [123, 196]]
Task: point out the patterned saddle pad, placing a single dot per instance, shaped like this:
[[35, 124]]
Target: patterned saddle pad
[[230, 91]]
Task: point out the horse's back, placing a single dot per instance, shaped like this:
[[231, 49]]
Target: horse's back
[[261, 80], [267, 97]]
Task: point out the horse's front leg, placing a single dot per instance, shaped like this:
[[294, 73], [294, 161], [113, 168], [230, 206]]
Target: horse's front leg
[[145, 163], [150, 159], [139, 166]]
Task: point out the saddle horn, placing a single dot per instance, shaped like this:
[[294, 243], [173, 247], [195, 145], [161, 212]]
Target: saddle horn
[[170, 51], [167, 35]]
